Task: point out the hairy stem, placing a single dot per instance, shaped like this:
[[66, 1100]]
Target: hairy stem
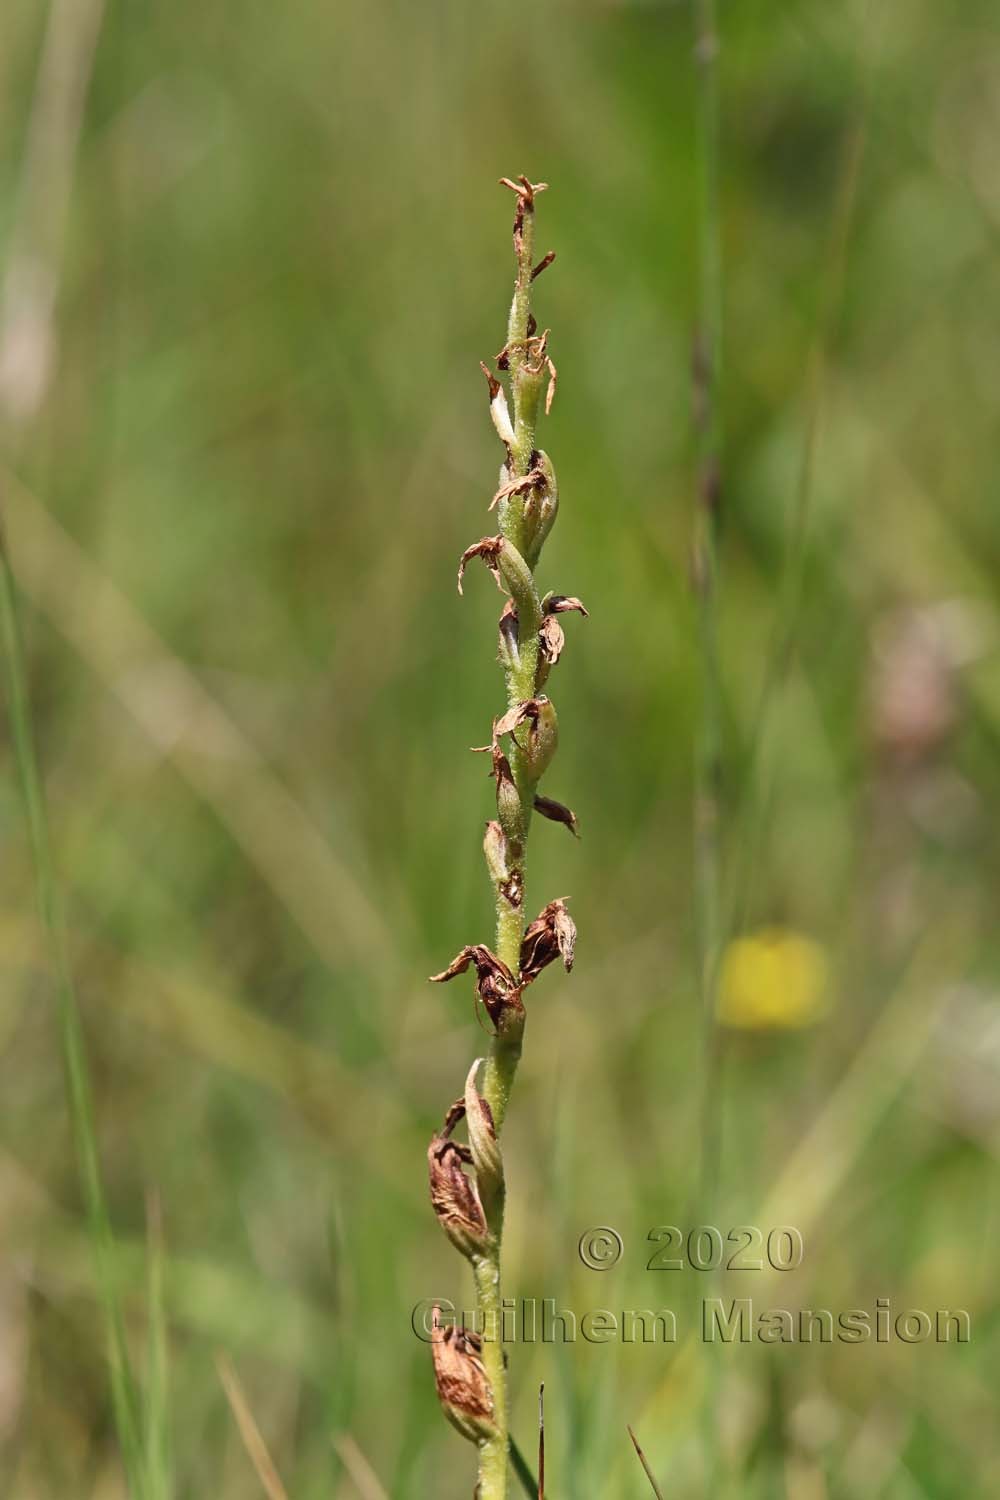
[[493, 1453]]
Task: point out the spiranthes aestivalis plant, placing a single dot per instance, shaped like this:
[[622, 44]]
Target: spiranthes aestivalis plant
[[467, 1180]]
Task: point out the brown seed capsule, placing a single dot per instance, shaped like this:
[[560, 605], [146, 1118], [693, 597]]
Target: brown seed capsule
[[551, 935], [462, 1384], [454, 1195]]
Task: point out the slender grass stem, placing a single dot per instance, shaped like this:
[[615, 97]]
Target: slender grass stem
[[781, 650], [522, 1469], [708, 424], [707, 372], [123, 1390], [645, 1465]]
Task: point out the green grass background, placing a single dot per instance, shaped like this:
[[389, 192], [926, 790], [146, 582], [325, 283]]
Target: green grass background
[[235, 513]]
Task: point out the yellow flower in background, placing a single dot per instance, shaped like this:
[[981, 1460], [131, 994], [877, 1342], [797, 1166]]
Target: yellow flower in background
[[774, 979]]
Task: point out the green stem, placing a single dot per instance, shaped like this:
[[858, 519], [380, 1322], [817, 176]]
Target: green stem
[[71, 1032], [493, 1454], [525, 401]]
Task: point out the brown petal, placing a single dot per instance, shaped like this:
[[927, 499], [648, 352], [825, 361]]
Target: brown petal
[[534, 479], [508, 722], [458, 965], [462, 1384], [508, 796], [524, 189], [551, 639], [558, 604], [551, 935], [558, 813], [489, 549], [565, 933], [539, 746]]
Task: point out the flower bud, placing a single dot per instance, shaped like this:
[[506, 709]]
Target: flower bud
[[509, 809], [542, 739], [541, 507], [498, 408], [509, 645], [483, 1141], [495, 850]]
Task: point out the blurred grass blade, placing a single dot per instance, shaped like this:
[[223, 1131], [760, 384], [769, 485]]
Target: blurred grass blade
[[156, 1430], [366, 1481], [643, 1460], [253, 1441], [71, 1032], [523, 1471], [317, 887]]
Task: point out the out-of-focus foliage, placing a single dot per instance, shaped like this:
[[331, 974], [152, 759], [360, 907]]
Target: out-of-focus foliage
[[253, 255]]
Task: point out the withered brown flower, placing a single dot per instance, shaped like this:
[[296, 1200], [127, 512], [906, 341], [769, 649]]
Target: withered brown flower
[[560, 604], [542, 738], [551, 636], [496, 986], [551, 935], [489, 549], [534, 479], [462, 1384], [551, 639], [454, 1195]]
